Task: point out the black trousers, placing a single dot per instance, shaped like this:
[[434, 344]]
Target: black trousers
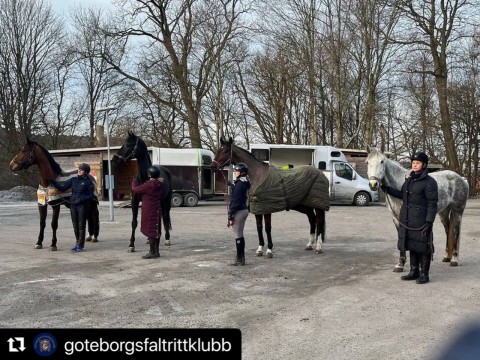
[[79, 213]]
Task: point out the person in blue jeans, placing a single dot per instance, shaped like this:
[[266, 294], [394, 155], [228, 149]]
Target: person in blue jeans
[[82, 193], [238, 209]]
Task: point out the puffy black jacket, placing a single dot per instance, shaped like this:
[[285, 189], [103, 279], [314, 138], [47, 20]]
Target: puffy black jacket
[[419, 193], [82, 189], [238, 197]]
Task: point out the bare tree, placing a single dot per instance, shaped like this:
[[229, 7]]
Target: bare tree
[[29, 32], [432, 26]]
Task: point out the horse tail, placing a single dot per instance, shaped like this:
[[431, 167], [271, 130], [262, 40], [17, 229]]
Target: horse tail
[[451, 234]]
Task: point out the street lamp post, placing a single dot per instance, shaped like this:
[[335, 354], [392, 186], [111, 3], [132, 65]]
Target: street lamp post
[[109, 178]]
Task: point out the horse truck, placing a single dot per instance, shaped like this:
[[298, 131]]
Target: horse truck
[[346, 185], [192, 177]]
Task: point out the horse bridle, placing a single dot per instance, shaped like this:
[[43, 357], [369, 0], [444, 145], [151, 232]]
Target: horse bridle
[[132, 154], [227, 162], [29, 160]]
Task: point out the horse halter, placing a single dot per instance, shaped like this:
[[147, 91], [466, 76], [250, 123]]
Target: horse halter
[[227, 162], [132, 154], [29, 160]]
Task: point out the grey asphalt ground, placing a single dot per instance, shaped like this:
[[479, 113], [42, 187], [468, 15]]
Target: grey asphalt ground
[[346, 303]]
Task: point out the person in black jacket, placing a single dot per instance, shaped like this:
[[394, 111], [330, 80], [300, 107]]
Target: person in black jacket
[[82, 193], [238, 209], [417, 214]]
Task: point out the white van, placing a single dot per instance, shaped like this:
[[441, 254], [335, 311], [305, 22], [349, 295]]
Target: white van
[[346, 185]]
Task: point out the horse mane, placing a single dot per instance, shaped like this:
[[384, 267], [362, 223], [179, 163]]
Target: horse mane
[[246, 152], [54, 165]]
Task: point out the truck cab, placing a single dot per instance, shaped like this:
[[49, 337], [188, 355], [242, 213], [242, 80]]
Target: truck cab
[[346, 185]]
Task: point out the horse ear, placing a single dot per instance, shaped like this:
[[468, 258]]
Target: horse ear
[[230, 140], [369, 148], [29, 141]]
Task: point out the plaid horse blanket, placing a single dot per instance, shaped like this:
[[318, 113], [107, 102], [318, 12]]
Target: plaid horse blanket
[[284, 189]]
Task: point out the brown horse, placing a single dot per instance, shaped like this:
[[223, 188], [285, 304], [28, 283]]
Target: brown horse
[[229, 153], [33, 153]]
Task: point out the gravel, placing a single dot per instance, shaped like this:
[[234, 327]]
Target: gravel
[[19, 193]]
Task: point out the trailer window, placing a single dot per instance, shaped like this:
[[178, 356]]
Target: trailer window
[[207, 160], [335, 153], [261, 154]]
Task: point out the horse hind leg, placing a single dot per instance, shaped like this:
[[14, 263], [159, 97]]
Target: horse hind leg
[[268, 231], [261, 240], [312, 238], [55, 216], [320, 230], [456, 225]]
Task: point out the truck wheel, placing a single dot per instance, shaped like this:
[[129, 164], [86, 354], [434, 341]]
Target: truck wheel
[[190, 199], [361, 199], [177, 200]]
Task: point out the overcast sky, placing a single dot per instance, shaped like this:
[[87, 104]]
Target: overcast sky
[[62, 6]]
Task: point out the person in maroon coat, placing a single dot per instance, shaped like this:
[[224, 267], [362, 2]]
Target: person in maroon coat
[[151, 192]]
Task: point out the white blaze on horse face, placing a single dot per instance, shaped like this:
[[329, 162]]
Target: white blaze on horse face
[[375, 169]]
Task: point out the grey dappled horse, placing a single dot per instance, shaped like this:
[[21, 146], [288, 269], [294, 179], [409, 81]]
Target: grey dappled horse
[[452, 199]]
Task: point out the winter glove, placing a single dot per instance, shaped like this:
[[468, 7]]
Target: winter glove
[[428, 227], [229, 183], [230, 220]]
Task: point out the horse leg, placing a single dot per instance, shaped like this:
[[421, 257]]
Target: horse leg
[[444, 218], [166, 226], [268, 231], [261, 241], [312, 238], [55, 216], [457, 222], [321, 227], [131, 246], [93, 223], [42, 210], [402, 259]]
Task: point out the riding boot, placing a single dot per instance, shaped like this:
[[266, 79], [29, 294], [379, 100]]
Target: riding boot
[[157, 246], [240, 258], [151, 253], [414, 271], [424, 269]]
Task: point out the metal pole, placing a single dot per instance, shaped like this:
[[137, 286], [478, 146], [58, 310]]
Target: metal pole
[[110, 185], [110, 176]]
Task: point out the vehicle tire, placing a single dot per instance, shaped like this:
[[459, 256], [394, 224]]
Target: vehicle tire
[[177, 200], [190, 199], [361, 199]]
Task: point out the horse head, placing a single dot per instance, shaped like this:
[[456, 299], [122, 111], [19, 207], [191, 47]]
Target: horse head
[[127, 151], [376, 168], [223, 156], [25, 158]]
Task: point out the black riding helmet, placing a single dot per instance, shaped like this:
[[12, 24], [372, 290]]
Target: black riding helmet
[[84, 167], [420, 156], [242, 168], [154, 172]]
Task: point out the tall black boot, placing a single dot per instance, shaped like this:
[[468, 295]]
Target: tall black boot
[[151, 253], [414, 271], [157, 246], [424, 269], [240, 258]]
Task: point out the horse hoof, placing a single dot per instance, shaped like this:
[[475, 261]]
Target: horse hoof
[[53, 248], [319, 251], [446, 259], [308, 248], [94, 240], [398, 268], [38, 247], [88, 238], [268, 255], [131, 249], [454, 263], [167, 243], [259, 253]]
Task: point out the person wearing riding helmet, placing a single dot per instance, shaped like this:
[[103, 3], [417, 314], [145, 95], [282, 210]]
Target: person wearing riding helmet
[[419, 193], [151, 218], [83, 191], [238, 209]]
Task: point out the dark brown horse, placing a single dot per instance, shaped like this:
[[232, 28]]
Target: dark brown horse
[[229, 153], [135, 148], [33, 153]]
